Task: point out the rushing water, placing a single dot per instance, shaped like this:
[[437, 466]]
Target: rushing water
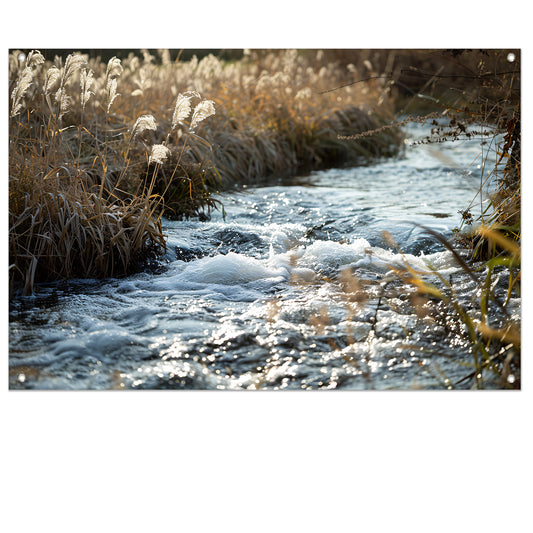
[[261, 300]]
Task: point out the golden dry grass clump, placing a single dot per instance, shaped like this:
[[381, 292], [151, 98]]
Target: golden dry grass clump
[[279, 116], [99, 150]]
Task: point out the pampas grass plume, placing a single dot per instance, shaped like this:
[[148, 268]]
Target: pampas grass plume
[[182, 109], [63, 101], [159, 154], [114, 68], [86, 81], [72, 64], [23, 84], [203, 110], [34, 59], [143, 123], [50, 80], [111, 90]]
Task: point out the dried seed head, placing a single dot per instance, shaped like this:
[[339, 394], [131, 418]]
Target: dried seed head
[[202, 111], [111, 90], [181, 110], [114, 69], [35, 58], [86, 81], [159, 154], [72, 64], [63, 101], [143, 123], [50, 80], [20, 90]]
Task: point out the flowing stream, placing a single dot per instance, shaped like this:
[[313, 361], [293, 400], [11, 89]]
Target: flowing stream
[[265, 298]]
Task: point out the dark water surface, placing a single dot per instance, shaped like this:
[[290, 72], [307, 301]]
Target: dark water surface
[[260, 300]]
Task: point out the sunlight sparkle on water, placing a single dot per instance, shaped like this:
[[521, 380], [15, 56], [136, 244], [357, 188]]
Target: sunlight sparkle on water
[[197, 331]]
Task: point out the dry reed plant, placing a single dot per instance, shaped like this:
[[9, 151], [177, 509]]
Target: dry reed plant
[[79, 205], [491, 327], [273, 117], [99, 150]]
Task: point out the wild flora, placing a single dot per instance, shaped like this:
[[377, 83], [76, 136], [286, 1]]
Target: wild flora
[[488, 321], [203, 110], [272, 119], [465, 95], [100, 150], [477, 96], [79, 206], [25, 81], [482, 101]]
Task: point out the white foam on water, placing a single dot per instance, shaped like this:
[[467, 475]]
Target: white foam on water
[[322, 254], [332, 255], [239, 277], [230, 269], [232, 276]]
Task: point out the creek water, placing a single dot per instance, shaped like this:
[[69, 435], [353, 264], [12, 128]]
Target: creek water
[[264, 299]]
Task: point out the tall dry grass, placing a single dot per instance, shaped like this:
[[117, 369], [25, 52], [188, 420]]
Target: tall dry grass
[[99, 150], [83, 200]]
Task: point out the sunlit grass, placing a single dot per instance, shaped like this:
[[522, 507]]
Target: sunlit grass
[[99, 151]]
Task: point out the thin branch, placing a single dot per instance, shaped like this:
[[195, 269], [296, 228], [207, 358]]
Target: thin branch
[[385, 76]]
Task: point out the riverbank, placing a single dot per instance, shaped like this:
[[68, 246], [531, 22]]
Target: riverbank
[[479, 94], [99, 151], [89, 185], [289, 292]]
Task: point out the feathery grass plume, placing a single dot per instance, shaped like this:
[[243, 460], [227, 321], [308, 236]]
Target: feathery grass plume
[[73, 63], [159, 154], [111, 92], [164, 54], [86, 82], [50, 80], [143, 83], [114, 68], [143, 123], [34, 59], [19, 92], [63, 101], [203, 110], [113, 71], [182, 109]]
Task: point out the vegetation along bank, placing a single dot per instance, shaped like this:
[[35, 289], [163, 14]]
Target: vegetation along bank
[[100, 150]]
